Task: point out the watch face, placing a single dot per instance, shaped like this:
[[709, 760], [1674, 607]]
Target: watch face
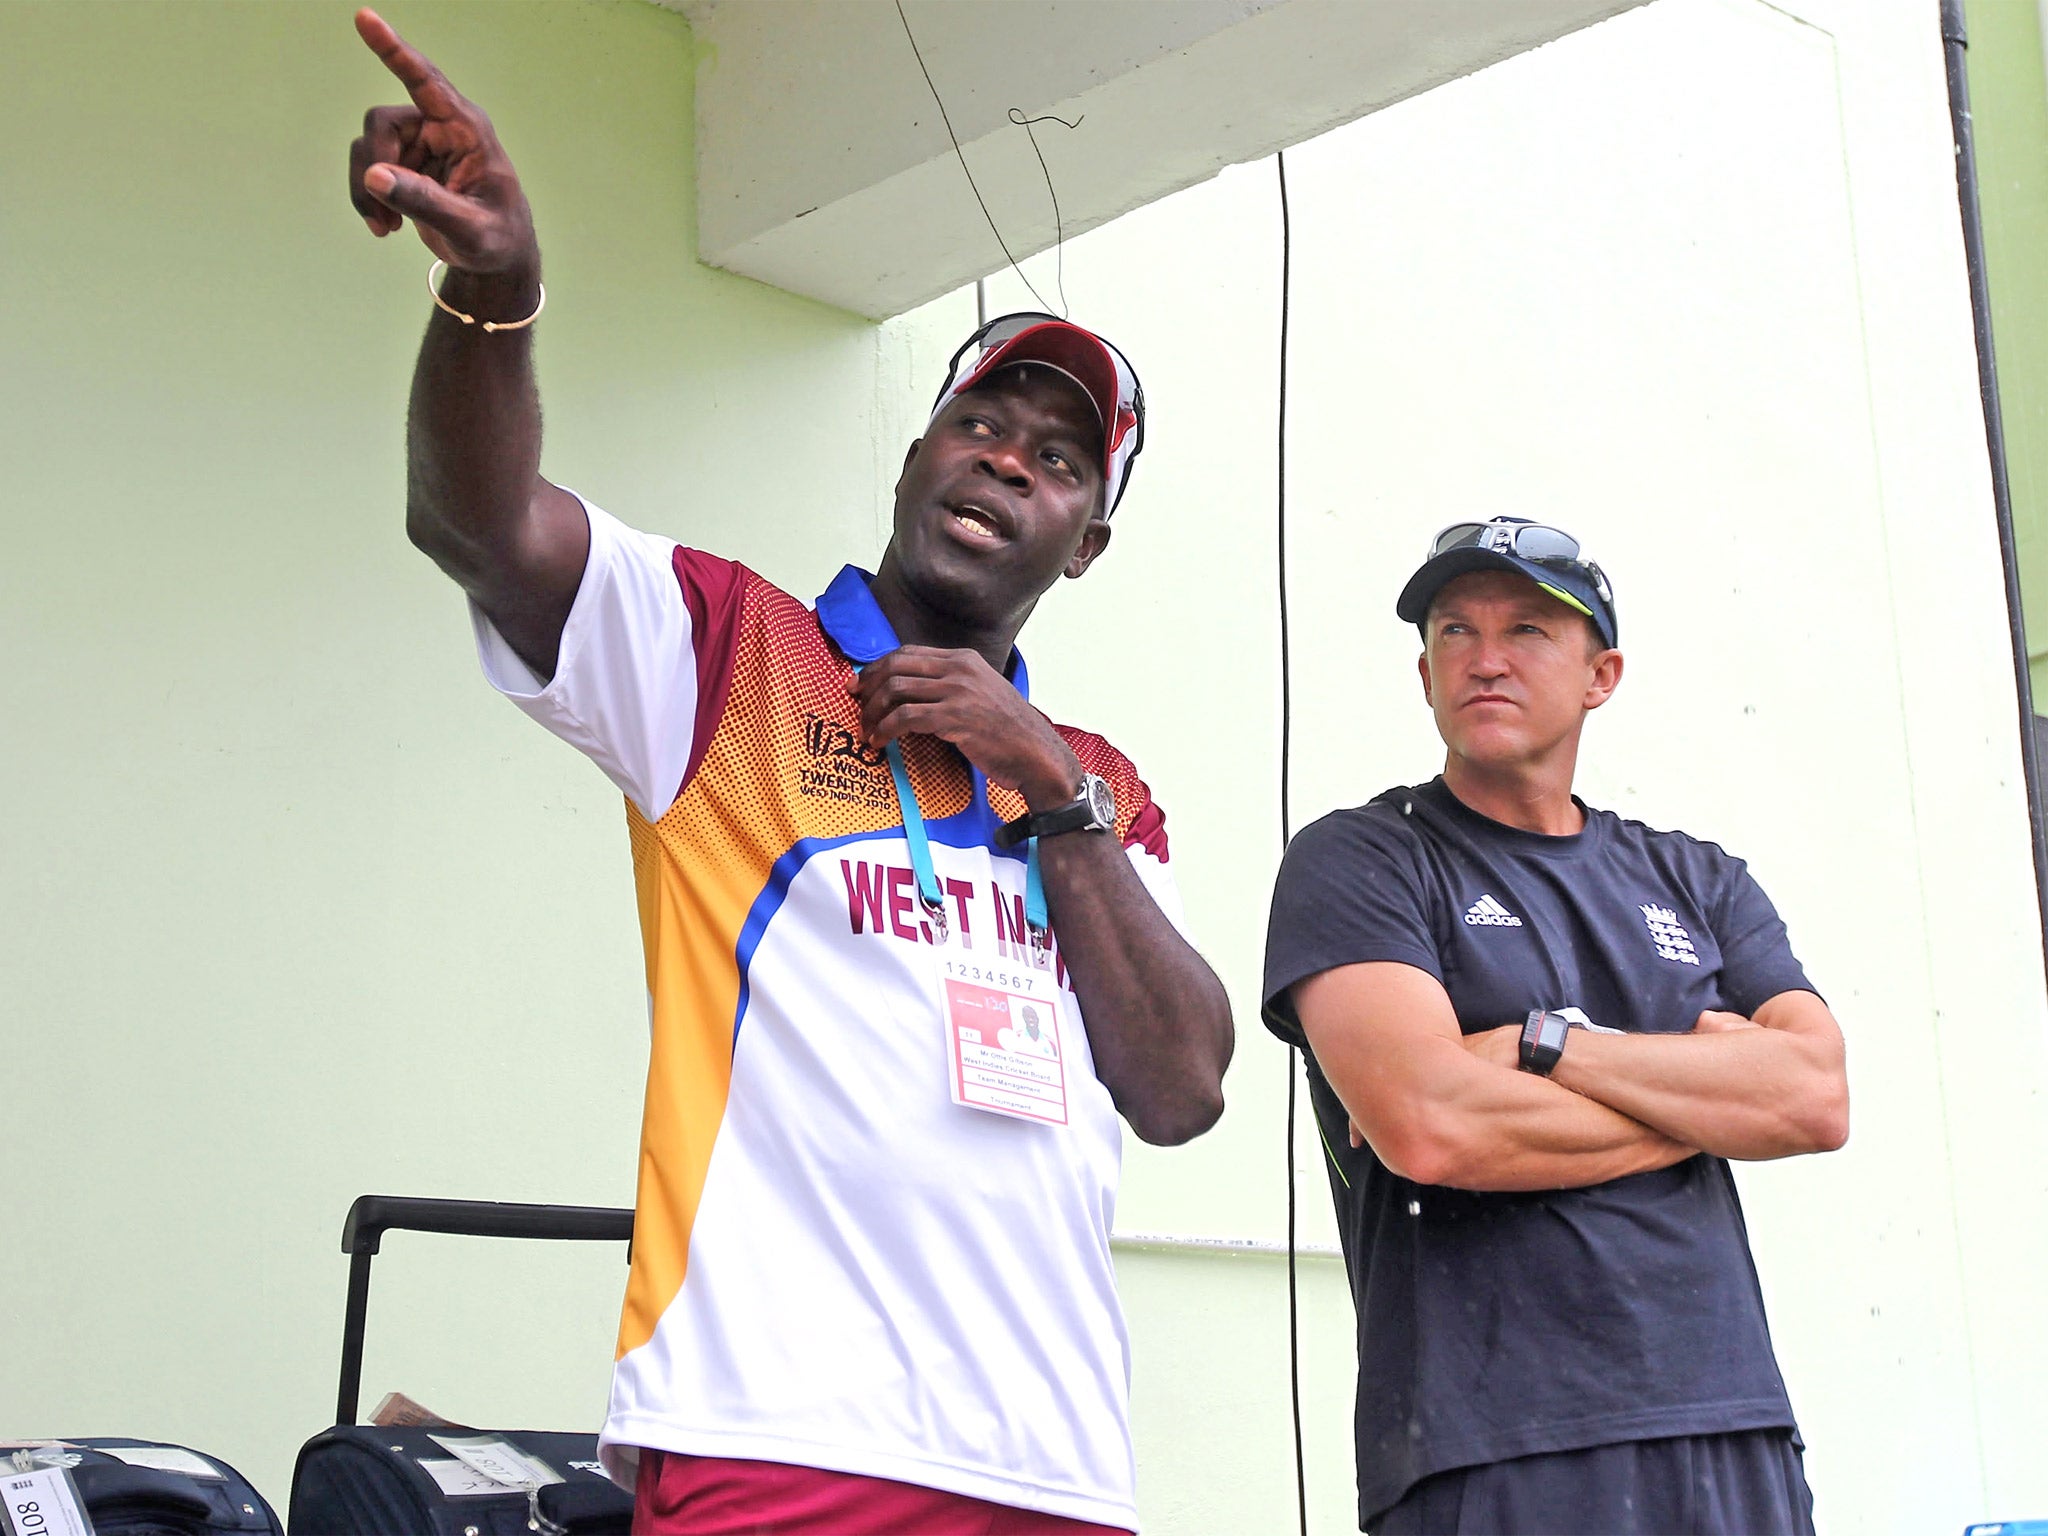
[[1543, 1035], [1101, 803]]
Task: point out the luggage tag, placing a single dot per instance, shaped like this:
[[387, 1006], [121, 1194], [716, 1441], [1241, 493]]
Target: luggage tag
[[42, 1503], [167, 1458], [498, 1459], [489, 1458], [1004, 1022], [457, 1481]]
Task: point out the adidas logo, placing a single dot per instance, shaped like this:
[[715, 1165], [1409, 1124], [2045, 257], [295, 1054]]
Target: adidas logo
[[1488, 913]]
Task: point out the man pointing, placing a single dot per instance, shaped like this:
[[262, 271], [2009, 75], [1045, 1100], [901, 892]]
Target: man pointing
[[871, 1286]]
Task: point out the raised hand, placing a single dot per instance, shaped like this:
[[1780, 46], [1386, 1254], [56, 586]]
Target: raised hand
[[439, 163]]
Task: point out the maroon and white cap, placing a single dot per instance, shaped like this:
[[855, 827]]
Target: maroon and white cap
[[1104, 374]]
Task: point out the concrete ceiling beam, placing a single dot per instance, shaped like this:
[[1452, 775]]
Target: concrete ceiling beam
[[824, 166]]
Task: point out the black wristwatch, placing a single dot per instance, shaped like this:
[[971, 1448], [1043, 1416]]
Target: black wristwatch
[[1092, 810], [1543, 1035]]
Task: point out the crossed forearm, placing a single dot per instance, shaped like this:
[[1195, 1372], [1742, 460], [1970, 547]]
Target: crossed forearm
[[1563, 1145], [1749, 1093], [1442, 1107], [1480, 1126], [1158, 1019]]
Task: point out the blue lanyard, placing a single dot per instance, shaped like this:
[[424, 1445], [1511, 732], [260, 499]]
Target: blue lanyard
[[928, 877]]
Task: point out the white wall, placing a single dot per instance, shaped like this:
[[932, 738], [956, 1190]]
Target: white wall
[[1691, 284]]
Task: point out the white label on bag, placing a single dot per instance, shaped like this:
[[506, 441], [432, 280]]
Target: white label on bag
[[43, 1504], [500, 1460], [166, 1458], [459, 1482]]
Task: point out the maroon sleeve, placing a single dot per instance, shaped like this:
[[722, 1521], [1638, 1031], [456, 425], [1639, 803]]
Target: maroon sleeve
[[713, 590], [1148, 828], [1140, 822]]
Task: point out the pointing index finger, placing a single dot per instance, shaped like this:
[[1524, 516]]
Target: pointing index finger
[[422, 79]]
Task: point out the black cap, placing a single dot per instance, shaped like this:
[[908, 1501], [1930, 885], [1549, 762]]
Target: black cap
[[1578, 583]]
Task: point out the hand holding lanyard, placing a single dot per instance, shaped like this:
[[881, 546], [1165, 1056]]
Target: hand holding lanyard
[[929, 893]]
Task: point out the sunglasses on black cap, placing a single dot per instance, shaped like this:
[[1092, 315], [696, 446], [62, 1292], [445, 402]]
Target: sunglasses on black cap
[[1536, 542]]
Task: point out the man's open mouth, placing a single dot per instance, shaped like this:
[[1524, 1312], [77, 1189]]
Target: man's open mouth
[[979, 522]]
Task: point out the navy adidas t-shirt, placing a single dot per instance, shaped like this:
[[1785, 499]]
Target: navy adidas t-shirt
[[1499, 1325]]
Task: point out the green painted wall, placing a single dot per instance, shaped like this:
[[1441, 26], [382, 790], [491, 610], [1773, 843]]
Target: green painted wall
[[291, 907], [2009, 106]]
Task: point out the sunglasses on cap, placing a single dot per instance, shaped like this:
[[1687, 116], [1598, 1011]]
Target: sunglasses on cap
[[1537, 542], [1091, 361]]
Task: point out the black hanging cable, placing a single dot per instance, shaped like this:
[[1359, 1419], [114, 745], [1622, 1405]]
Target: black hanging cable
[[1059, 227], [959, 155], [1287, 832]]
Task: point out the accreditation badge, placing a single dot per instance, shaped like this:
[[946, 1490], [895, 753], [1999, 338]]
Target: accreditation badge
[[1006, 1036]]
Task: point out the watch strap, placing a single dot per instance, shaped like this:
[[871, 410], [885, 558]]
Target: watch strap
[[1076, 815]]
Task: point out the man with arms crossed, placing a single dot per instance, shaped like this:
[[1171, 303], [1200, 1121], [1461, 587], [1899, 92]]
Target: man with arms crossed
[[871, 1286], [1535, 1034]]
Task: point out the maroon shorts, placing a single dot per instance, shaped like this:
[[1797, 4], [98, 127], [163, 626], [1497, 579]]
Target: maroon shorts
[[716, 1496]]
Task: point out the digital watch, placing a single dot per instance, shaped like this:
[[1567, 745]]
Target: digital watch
[[1543, 1035]]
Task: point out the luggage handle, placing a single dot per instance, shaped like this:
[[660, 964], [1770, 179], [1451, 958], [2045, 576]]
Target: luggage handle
[[371, 1216]]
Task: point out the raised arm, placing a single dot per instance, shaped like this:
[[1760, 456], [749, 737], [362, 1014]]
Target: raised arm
[[1770, 1087], [1437, 1112], [475, 499]]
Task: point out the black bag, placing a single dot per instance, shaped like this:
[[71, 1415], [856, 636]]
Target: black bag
[[122, 1499], [362, 1480], [358, 1479]]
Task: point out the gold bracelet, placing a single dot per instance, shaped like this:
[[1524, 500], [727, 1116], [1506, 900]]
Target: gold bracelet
[[489, 325]]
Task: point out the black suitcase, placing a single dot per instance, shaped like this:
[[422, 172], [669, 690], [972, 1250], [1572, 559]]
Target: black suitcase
[[148, 1488], [365, 1480]]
